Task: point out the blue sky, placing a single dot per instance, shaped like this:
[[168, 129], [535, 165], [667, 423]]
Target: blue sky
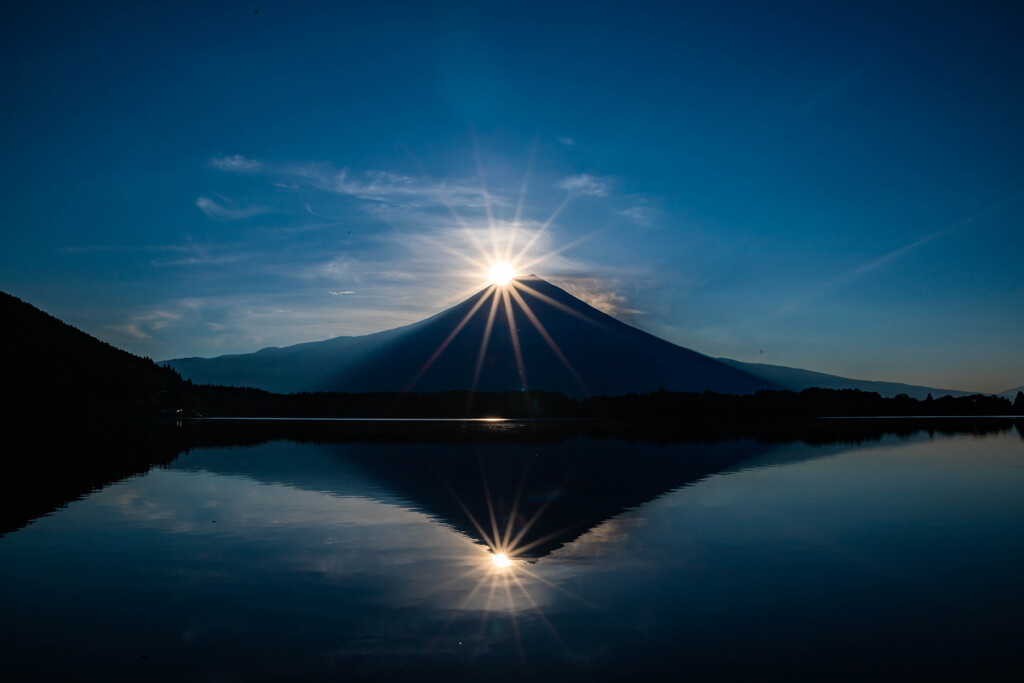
[[827, 186]]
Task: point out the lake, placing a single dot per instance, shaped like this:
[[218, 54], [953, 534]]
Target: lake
[[355, 555]]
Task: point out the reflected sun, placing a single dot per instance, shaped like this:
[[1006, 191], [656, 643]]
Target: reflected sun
[[501, 274]]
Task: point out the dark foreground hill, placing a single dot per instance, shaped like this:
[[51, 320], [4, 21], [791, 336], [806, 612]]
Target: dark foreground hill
[[51, 368], [532, 335]]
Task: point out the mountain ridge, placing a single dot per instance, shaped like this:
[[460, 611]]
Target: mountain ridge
[[798, 379], [560, 343], [290, 370]]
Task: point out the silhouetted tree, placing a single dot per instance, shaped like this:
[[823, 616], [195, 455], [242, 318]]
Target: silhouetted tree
[[1018, 403]]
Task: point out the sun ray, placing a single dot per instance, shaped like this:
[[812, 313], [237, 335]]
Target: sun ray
[[484, 340], [540, 231], [470, 234], [490, 506], [485, 194], [541, 579], [487, 610], [463, 604], [547, 337], [555, 252], [448, 340], [515, 622], [510, 243], [514, 512], [461, 295], [469, 515], [554, 302], [536, 608], [519, 550], [515, 336], [526, 527], [480, 264], [451, 207]]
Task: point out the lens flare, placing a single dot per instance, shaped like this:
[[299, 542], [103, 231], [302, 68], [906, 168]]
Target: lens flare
[[501, 274]]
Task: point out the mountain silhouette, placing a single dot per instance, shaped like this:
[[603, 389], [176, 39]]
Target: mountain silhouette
[[50, 367], [795, 379], [560, 344], [543, 496], [1011, 393]]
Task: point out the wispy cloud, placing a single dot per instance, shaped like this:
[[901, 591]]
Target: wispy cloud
[[379, 186], [604, 294], [167, 255], [237, 163], [587, 184], [105, 248], [144, 325], [641, 215], [223, 212], [352, 252], [568, 142]]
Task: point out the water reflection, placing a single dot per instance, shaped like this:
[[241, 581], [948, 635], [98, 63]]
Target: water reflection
[[368, 558], [516, 501]]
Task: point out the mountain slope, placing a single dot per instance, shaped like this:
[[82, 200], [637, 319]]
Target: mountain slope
[[564, 344], [49, 367], [795, 379], [1011, 393]]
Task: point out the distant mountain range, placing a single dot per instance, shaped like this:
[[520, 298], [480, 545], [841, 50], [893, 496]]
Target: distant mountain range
[[565, 346], [795, 379], [50, 366], [1011, 394]]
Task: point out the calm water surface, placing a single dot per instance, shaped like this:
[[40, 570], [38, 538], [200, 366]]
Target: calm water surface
[[323, 561]]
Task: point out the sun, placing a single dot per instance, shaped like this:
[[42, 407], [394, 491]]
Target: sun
[[501, 274]]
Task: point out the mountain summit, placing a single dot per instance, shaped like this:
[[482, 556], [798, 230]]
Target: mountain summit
[[527, 335]]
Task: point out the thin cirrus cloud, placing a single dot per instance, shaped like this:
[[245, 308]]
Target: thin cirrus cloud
[[237, 163], [587, 184], [375, 186], [223, 212], [642, 215]]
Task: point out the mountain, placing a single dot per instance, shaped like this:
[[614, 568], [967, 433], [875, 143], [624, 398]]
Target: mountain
[[1011, 393], [795, 379], [73, 413], [565, 486], [560, 344], [50, 368]]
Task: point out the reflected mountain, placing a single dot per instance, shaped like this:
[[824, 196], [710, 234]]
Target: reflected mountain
[[524, 500], [568, 475], [524, 494]]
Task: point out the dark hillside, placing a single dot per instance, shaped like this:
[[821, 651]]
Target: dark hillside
[[51, 369]]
